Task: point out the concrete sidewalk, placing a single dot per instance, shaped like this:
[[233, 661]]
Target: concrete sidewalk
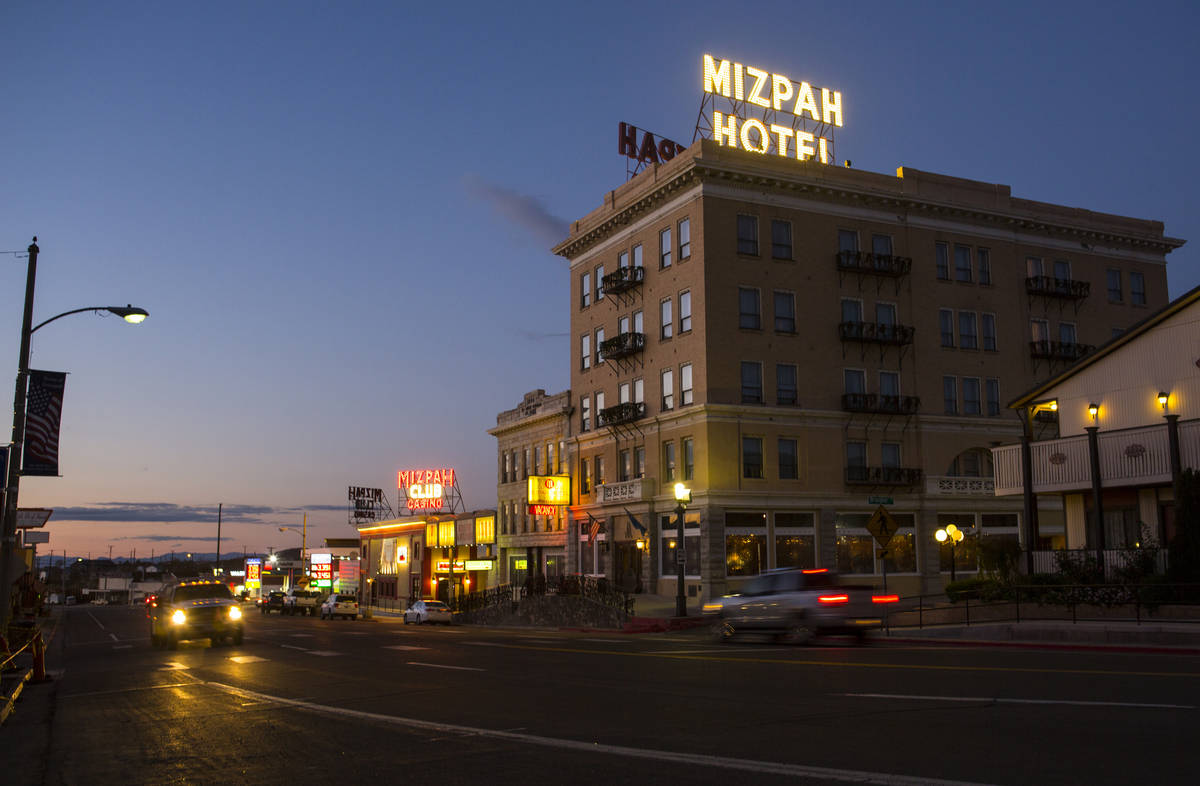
[[1180, 637]]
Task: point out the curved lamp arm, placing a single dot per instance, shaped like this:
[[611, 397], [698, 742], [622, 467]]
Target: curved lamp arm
[[129, 313]]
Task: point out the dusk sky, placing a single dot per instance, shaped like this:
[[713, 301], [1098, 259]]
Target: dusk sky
[[339, 215]]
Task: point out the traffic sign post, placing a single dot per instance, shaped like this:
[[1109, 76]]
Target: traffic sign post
[[882, 525]]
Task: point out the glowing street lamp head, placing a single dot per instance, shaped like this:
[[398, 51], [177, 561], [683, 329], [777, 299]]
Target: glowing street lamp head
[[1162, 401], [683, 493], [130, 313], [941, 535]]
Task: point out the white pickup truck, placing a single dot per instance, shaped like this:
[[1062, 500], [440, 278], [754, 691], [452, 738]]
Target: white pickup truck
[[796, 605], [301, 601]]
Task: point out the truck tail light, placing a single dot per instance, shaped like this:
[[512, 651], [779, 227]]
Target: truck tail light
[[833, 600]]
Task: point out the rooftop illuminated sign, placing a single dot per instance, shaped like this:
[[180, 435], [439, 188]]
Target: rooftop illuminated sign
[[796, 120], [425, 489], [549, 490]]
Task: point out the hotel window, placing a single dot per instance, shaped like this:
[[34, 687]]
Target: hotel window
[[1114, 286], [852, 310], [549, 458], [668, 453], [993, 397], [637, 255], [668, 390], [1034, 267], [562, 457], [942, 256], [585, 290], [989, 332], [685, 311], [585, 352], [525, 466], [623, 393], [624, 465], [946, 322], [622, 325], [599, 405], [664, 248], [962, 263], [537, 459], [795, 541], [885, 314], [689, 458], [685, 384], [752, 457], [1062, 273], [745, 544], [639, 462], [788, 467], [785, 384], [751, 382], [748, 309], [1039, 330], [970, 394], [889, 454], [599, 341], [598, 277], [856, 457], [585, 479], [854, 381], [685, 239], [667, 327], [950, 395], [623, 259], [747, 235], [881, 245], [585, 414], [847, 240], [785, 312], [1137, 289], [781, 239], [968, 337], [598, 472], [504, 469], [1066, 332], [638, 326], [639, 391], [669, 529], [889, 384], [983, 260]]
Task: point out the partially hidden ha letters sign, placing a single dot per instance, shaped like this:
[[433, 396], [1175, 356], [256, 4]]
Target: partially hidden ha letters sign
[[426, 489], [795, 120]]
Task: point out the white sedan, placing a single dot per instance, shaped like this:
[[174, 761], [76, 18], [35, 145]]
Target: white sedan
[[340, 606], [430, 611]]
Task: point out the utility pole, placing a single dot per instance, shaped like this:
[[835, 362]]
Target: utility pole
[[219, 506]]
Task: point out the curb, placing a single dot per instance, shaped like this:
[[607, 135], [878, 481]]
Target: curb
[[1040, 645]]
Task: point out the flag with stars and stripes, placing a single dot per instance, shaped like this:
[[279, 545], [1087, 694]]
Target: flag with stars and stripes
[[43, 413]]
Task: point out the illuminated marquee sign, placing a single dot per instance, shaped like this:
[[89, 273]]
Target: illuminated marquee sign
[[813, 111], [443, 565], [253, 573], [321, 569], [543, 510], [549, 490], [425, 489]]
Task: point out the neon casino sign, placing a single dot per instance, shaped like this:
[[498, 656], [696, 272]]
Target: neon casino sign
[[425, 489], [797, 119]]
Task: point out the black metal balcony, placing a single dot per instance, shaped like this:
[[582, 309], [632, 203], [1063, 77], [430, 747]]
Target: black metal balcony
[[621, 413], [883, 476], [884, 405], [622, 345], [876, 332], [621, 279], [1065, 288], [875, 264], [1059, 350]]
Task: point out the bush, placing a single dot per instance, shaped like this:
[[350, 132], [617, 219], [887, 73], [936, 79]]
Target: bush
[[982, 588]]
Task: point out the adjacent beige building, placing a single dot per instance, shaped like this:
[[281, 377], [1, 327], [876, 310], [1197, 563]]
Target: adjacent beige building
[[800, 344]]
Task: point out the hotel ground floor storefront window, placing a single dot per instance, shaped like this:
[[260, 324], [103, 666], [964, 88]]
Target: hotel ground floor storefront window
[[756, 541], [857, 551]]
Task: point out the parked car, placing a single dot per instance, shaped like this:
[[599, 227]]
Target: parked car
[[796, 605], [272, 601], [195, 610], [431, 611], [299, 601], [338, 605]]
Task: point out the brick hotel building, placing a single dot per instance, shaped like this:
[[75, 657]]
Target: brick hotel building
[[800, 343]]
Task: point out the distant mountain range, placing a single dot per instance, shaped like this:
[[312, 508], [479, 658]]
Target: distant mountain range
[[45, 560]]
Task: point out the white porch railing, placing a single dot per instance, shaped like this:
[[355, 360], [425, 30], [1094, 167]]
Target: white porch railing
[[1114, 559], [948, 485]]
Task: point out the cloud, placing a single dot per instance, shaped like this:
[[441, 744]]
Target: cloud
[[524, 211], [169, 513]]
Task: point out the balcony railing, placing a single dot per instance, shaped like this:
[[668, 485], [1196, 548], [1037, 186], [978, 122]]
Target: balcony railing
[[622, 345], [885, 405], [959, 486], [875, 332], [1128, 457], [627, 412], [1049, 286], [621, 279], [1059, 350], [883, 476], [875, 264]]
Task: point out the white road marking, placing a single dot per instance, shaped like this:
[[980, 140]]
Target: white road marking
[[174, 666], [293, 647], [992, 700], [443, 666], [98, 622], [322, 653], [300, 635], [608, 641], [723, 762], [113, 636], [247, 659], [485, 644], [122, 646], [403, 647]]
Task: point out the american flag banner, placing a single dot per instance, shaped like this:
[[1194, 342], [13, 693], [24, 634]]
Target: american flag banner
[[43, 413], [595, 529]]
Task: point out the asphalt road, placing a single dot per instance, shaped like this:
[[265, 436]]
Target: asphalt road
[[305, 700]]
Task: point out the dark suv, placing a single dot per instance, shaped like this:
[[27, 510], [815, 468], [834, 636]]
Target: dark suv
[[273, 601], [195, 610]]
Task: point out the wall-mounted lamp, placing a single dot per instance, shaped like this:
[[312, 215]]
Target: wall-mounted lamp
[[1094, 411], [641, 544], [1054, 406], [1162, 401]]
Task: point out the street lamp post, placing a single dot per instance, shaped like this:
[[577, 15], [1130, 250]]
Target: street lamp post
[[954, 535], [8, 528], [683, 495]]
